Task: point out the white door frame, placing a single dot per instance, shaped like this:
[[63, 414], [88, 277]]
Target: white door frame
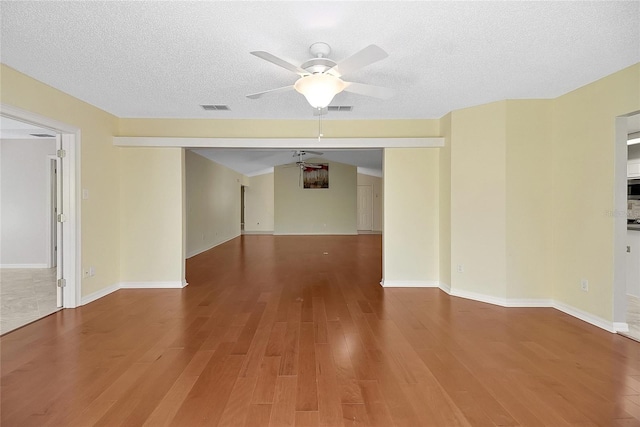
[[51, 181], [71, 243]]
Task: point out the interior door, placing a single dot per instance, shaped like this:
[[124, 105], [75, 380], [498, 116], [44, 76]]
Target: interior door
[[365, 208], [59, 225]]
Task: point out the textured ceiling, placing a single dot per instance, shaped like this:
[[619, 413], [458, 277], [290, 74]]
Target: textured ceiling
[[256, 162], [164, 59]]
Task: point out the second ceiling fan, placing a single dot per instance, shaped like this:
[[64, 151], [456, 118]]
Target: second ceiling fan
[[320, 77]]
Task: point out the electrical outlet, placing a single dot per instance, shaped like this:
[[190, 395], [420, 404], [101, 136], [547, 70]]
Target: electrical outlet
[[460, 268], [88, 272], [584, 285]]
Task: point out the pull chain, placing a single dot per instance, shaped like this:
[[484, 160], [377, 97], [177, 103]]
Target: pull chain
[[319, 123]]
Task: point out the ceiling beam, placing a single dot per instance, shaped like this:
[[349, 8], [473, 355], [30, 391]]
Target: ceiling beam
[[293, 143]]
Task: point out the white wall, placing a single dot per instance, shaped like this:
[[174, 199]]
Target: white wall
[[411, 216], [24, 204], [316, 211], [259, 204], [376, 184], [212, 203]]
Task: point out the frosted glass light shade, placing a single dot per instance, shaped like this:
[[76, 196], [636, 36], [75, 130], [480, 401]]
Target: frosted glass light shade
[[319, 89]]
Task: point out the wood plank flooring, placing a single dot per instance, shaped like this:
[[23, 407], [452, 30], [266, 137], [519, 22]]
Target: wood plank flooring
[[296, 331]]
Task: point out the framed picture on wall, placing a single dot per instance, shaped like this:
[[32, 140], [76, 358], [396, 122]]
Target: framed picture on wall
[[315, 175]]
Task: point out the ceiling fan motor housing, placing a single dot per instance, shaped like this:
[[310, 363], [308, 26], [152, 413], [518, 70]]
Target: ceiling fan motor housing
[[320, 63]]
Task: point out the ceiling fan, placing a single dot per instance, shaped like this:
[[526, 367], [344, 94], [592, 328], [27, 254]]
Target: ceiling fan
[[301, 164], [320, 77]]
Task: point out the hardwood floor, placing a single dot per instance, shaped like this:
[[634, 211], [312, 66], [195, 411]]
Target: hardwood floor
[[296, 331]]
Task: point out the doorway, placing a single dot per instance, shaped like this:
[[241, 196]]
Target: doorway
[[66, 245], [626, 292], [27, 234]]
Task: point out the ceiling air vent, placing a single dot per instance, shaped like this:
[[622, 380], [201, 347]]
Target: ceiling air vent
[[215, 107], [42, 135], [343, 108]]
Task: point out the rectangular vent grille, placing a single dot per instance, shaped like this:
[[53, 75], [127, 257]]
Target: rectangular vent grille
[[344, 108], [42, 135], [215, 107]]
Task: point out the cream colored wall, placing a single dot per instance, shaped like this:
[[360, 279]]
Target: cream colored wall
[[500, 200], [151, 215], [478, 199], [315, 211], [583, 187], [528, 198], [411, 237], [444, 203], [377, 188], [489, 160], [100, 169], [212, 203], [259, 204]]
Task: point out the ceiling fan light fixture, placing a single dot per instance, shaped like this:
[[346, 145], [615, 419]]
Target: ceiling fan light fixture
[[319, 89]]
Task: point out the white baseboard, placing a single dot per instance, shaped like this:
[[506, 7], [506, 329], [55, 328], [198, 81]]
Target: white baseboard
[[490, 299], [199, 251], [621, 326], [517, 302], [99, 294], [315, 234], [503, 302], [131, 285], [584, 316], [24, 266], [445, 287], [153, 285], [409, 284], [250, 232]]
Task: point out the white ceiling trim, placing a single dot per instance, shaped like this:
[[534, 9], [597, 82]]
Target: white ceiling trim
[[292, 143], [39, 121]]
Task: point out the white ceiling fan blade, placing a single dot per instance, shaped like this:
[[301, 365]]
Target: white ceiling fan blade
[[369, 90], [366, 56], [270, 92], [279, 62], [303, 152]]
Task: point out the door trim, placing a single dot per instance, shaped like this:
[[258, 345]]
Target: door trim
[[71, 243]]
